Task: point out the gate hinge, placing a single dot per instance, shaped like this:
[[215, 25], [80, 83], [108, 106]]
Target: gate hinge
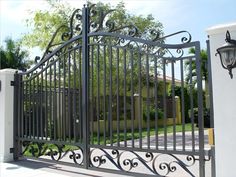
[[11, 150], [12, 83]]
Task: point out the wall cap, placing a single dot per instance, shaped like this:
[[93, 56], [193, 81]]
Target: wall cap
[[7, 71], [221, 28]]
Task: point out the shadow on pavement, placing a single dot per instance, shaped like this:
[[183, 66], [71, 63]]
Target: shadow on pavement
[[72, 171]]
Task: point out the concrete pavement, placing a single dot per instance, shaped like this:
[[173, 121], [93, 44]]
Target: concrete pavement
[[33, 168]]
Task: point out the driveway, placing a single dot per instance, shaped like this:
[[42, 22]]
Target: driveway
[[190, 139], [32, 168]]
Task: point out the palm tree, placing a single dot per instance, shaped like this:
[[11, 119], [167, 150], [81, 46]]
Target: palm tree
[[191, 74], [12, 56]]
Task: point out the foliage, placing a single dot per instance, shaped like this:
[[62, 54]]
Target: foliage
[[187, 98], [153, 113], [13, 56], [206, 115], [191, 67], [45, 23]]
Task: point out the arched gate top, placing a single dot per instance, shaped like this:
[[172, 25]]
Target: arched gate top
[[101, 25]]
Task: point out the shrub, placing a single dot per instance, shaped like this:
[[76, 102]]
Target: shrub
[[206, 115], [152, 113]]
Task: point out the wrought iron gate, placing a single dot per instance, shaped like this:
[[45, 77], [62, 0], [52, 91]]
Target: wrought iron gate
[[106, 98]]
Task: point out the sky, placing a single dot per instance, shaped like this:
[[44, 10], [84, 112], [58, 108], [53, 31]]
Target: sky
[[194, 16]]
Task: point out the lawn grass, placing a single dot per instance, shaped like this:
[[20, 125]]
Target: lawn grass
[[161, 131], [94, 140]]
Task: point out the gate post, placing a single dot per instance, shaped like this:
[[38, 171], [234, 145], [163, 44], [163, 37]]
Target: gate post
[[85, 87], [17, 93], [6, 114], [223, 97], [210, 101], [200, 112]]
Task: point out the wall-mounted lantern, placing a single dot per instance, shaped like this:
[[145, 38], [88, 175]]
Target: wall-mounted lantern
[[228, 54]]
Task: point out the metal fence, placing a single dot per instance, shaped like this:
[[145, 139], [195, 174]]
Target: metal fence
[[100, 99]]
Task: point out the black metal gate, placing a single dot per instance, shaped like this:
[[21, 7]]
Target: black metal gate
[[107, 99]]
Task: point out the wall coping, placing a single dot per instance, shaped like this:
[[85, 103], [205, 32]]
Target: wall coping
[[7, 71], [219, 29]]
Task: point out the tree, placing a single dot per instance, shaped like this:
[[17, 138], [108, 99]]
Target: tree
[[13, 56], [45, 23], [191, 75], [190, 67]]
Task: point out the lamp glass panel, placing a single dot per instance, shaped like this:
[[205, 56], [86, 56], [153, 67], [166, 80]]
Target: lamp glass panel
[[234, 56], [228, 56]]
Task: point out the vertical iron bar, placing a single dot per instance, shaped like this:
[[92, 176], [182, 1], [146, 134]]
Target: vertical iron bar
[[59, 119], [148, 101], [98, 94], [110, 95], [26, 109], [74, 98], [50, 101], [132, 97], [210, 92], [91, 93], [210, 85], [64, 100], [54, 104], [191, 104], [80, 95], [213, 162], [118, 97], [21, 92], [37, 107], [173, 104], [125, 116], [104, 92], [156, 104], [34, 100], [46, 104], [30, 106], [200, 112], [69, 96], [140, 98], [16, 117], [85, 73], [182, 103], [41, 107], [164, 105]]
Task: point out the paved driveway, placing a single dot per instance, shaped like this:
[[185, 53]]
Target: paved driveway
[[190, 139], [29, 168]]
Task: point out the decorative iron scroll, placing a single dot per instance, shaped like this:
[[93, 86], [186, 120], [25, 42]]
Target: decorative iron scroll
[[101, 21], [55, 152], [158, 164]]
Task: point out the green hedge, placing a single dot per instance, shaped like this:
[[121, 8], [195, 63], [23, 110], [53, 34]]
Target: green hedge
[[152, 114]]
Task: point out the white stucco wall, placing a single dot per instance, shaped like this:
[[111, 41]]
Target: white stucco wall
[[6, 114], [224, 100]]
